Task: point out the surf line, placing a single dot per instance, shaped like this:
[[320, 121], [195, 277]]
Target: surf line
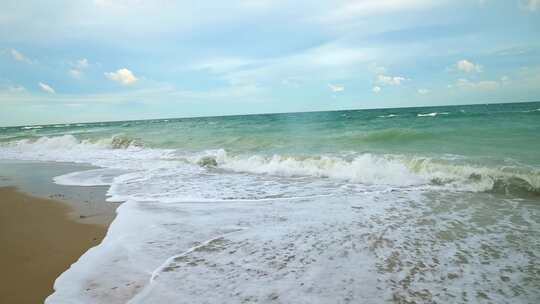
[[158, 270]]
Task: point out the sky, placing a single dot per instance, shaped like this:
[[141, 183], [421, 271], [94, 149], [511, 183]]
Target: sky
[[100, 60]]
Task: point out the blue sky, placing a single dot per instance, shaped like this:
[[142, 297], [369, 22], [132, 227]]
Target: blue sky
[[69, 61]]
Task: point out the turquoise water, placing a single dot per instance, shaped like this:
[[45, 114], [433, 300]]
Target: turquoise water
[[503, 137], [495, 131], [411, 205]]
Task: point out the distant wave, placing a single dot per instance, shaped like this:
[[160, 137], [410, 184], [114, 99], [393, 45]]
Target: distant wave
[[31, 127], [431, 114], [530, 111], [388, 116]]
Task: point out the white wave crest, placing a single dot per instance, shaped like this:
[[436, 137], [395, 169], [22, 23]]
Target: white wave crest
[[530, 111], [71, 142], [120, 152], [365, 168], [373, 169], [117, 152], [431, 114], [31, 127]]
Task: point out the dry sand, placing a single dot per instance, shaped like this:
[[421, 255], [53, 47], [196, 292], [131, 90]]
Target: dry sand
[[38, 241]]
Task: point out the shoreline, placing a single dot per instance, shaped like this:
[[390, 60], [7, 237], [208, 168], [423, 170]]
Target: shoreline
[[36, 178], [45, 227]]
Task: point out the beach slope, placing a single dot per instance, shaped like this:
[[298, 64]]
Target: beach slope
[[39, 242]]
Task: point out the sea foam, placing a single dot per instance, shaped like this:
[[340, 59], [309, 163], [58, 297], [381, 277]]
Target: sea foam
[[124, 153], [215, 226]]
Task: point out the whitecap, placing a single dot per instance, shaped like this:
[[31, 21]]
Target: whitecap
[[433, 114], [31, 127]]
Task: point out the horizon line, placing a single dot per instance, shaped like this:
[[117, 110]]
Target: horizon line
[[268, 113]]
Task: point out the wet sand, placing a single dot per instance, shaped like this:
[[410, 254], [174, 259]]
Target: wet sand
[[88, 204], [39, 240]]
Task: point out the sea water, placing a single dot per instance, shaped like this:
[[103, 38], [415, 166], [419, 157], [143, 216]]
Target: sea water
[[438, 204]]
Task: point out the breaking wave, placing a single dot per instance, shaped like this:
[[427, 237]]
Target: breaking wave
[[392, 170], [71, 142], [124, 152]]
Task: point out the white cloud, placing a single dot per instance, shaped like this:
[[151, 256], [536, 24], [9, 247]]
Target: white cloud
[[376, 89], [333, 55], [292, 82], [112, 4], [333, 60], [468, 67], [46, 88], [78, 66], [361, 8], [19, 56], [82, 64], [376, 69], [164, 93], [531, 5], [75, 73], [16, 89], [423, 91], [464, 83], [10, 91], [123, 76], [390, 80], [336, 88], [74, 104], [221, 65]]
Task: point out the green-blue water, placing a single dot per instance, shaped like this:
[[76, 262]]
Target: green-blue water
[[412, 205], [494, 131]]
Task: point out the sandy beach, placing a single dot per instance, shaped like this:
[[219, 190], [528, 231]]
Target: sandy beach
[[41, 233], [39, 242]]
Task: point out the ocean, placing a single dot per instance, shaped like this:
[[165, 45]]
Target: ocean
[[426, 204]]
